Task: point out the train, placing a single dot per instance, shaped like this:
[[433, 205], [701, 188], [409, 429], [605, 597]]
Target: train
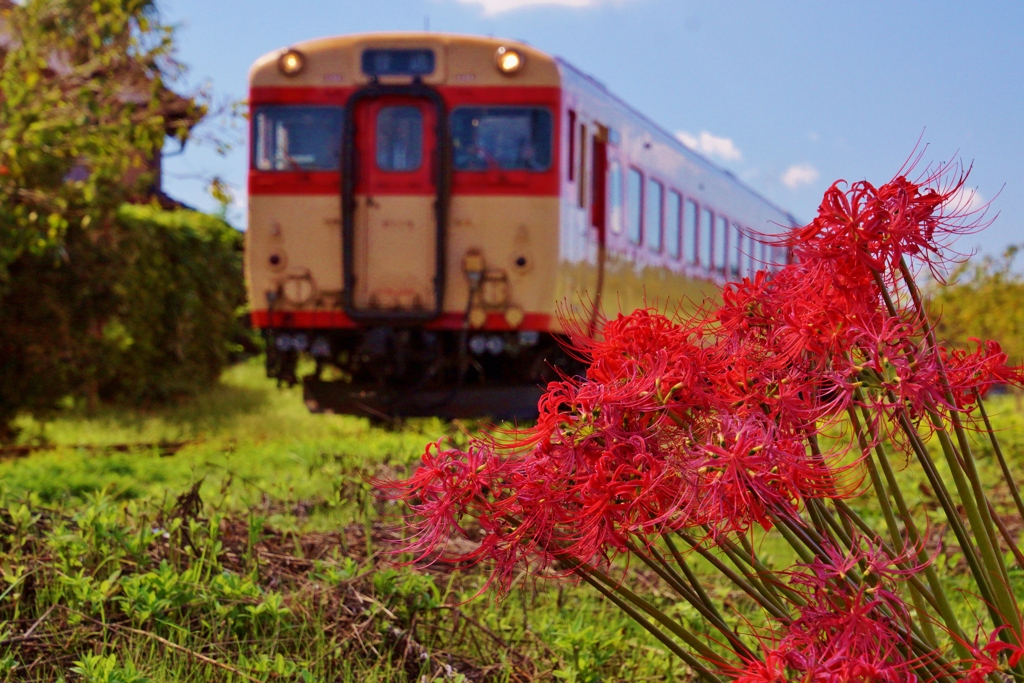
[[426, 211]]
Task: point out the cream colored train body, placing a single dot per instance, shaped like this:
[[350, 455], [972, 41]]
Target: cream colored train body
[[424, 207]]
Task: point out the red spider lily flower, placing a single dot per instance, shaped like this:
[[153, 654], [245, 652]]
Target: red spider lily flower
[[701, 421], [448, 486], [878, 227], [846, 630], [992, 658], [979, 370]]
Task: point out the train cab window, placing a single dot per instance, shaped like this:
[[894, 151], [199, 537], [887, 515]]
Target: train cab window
[[294, 138], [399, 138], [673, 219], [737, 247], [615, 197], [508, 138], [654, 219], [690, 233], [706, 238], [634, 205]]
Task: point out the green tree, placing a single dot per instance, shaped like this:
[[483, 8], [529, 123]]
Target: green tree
[[100, 300], [83, 103], [984, 301]]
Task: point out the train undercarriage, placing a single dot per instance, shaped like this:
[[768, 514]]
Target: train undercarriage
[[394, 372]]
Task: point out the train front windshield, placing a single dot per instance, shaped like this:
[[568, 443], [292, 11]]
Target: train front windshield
[[297, 138], [308, 138], [509, 138]]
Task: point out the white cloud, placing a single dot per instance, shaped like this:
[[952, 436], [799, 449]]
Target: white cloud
[[799, 174], [964, 200], [492, 7], [712, 145]]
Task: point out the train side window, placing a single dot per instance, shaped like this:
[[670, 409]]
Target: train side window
[[399, 138], [654, 219], [762, 257], [634, 205], [707, 227], [615, 197], [691, 214], [738, 247], [582, 185], [673, 219], [721, 244], [572, 145]]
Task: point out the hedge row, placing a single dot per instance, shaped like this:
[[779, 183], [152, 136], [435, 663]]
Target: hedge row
[[142, 311]]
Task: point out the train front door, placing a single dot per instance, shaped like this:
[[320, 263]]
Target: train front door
[[394, 200]]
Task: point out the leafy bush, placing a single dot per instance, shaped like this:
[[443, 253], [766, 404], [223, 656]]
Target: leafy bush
[[983, 300], [142, 312]]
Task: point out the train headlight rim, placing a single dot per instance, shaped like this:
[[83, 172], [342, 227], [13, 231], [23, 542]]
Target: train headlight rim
[[291, 62], [509, 60]]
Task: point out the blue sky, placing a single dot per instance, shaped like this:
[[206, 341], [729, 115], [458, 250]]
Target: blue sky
[[789, 95]]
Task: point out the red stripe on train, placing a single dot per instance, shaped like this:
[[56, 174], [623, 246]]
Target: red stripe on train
[[503, 183], [328, 183], [533, 322]]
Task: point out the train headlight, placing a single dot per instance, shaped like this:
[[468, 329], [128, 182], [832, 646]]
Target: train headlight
[[509, 61], [291, 62]]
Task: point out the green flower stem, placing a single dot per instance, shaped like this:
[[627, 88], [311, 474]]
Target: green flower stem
[[667, 573], [1007, 475], [981, 521], [948, 507], [677, 629], [821, 526], [794, 541], [890, 519], [1007, 536], [711, 614], [690, 660], [876, 479], [762, 577], [965, 459], [744, 585], [685, 567], [1004, 603], [689, 579], [840, 531]]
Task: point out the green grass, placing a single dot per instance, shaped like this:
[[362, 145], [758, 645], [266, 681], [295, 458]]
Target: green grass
[[111, 572], [98, 542]]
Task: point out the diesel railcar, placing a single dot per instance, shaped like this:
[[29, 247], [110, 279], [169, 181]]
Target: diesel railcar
[[422, 207]]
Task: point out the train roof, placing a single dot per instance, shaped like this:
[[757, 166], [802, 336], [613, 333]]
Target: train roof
[[466, 60], [671, 139]]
